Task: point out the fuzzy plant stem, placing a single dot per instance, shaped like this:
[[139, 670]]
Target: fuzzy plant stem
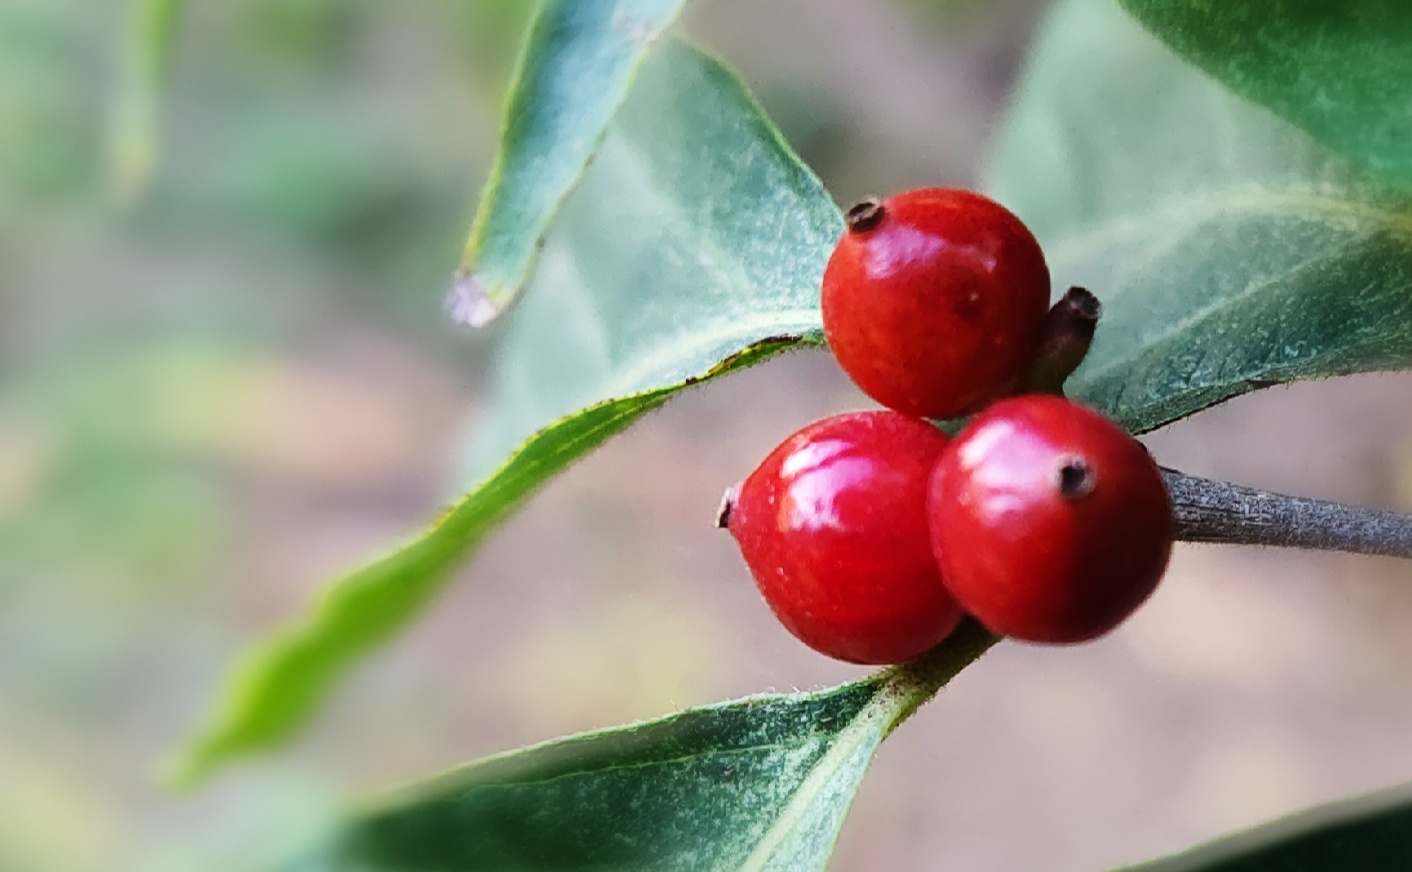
[[1216, 511]]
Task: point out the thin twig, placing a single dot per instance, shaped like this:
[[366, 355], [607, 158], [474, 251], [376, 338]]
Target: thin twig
[[1216, 511]]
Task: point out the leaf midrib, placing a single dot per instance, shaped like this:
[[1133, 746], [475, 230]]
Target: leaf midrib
[[882, 707], [710, 753]]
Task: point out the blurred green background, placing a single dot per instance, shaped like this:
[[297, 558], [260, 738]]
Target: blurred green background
[[215, 399]]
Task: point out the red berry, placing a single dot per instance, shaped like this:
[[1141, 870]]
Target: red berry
[[933, 300], [1049, 522], [833, 526]]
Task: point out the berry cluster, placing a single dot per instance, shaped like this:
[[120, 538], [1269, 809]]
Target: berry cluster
[[872, 534]]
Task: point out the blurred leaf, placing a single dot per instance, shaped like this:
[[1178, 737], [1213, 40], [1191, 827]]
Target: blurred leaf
[[92, 443], [760, 783], [332, 185], [1229, 249], [579, 61], [694, 246], [1367, 833], [1342, 71], [288, 34], [47, 143], [490, 30], [142, 85]]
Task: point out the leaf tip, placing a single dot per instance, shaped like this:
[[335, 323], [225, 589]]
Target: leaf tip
[[469, 303]]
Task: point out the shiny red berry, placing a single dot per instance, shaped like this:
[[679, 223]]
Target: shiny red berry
[[933, 300], [1049, 522], [833, 526]]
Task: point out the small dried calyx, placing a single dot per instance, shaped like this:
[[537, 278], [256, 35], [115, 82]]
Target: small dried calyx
[[723, 511], [1064, 342], [864, 215]]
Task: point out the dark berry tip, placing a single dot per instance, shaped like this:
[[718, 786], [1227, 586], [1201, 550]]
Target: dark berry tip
[[1083, 303], [727, 506], [1076, 479], [864, 216]]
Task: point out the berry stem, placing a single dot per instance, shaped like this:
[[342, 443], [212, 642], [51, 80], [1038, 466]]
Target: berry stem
[[1216, 511], [918, 681], [1067, 335]]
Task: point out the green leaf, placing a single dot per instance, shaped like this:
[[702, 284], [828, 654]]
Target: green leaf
[[1367, 833], [142, 83], [694, 246], [1230, 250], [1342, 70], [578, 64], [755, 784]]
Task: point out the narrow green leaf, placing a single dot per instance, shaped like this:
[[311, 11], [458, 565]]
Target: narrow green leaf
[[1230, 250], [577, 66], [1367, 833], [135, 134], [694, 246], [756, 784], [1340, 70], [279, 684]]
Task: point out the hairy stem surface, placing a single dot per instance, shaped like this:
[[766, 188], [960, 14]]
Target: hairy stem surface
[[1216, 511]]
